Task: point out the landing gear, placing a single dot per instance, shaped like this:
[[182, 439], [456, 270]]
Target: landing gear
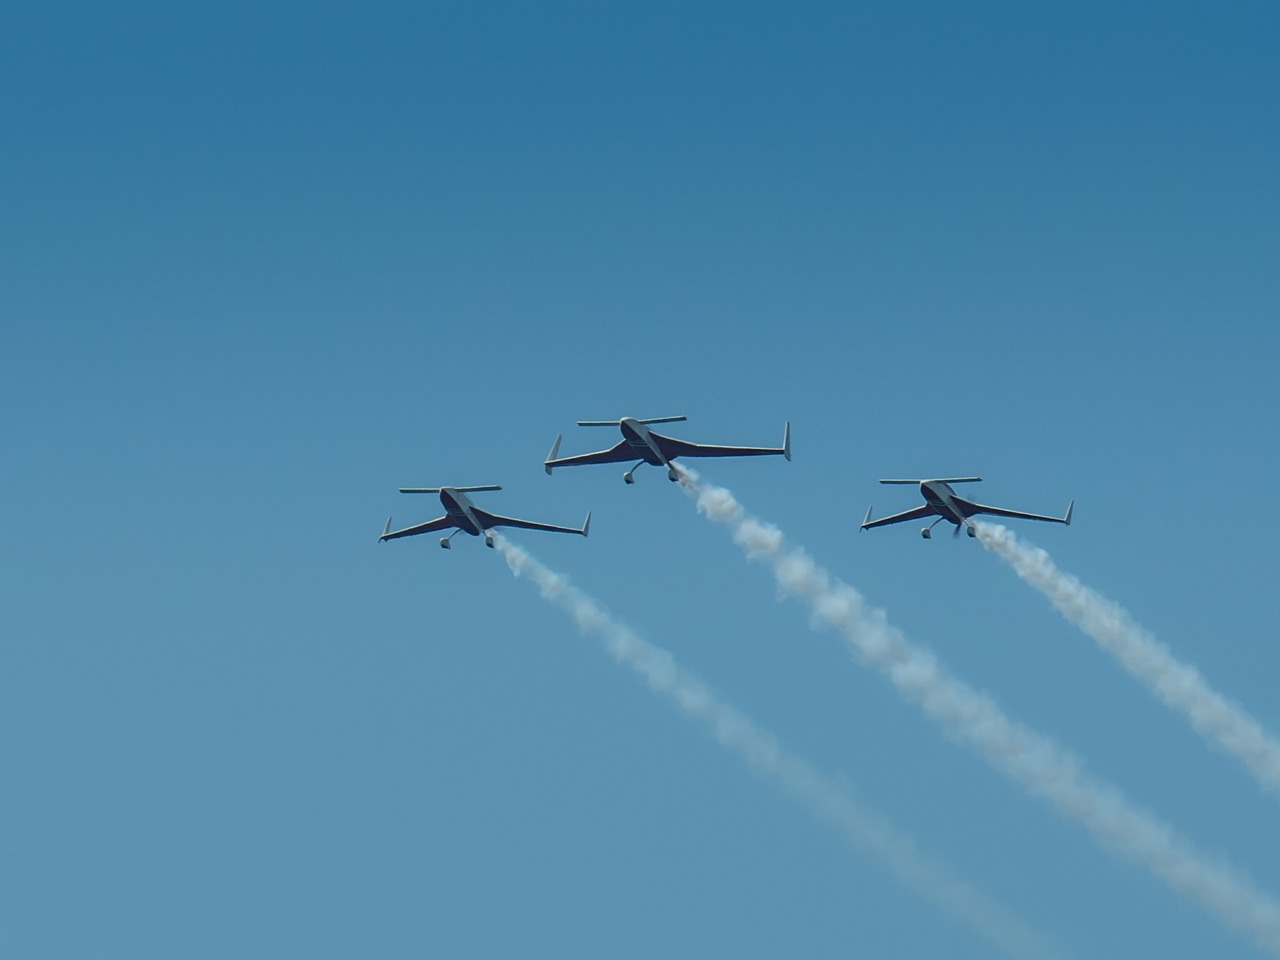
[[673, 474], [488, 540], [630, 475], [927, 532], [444, 541]]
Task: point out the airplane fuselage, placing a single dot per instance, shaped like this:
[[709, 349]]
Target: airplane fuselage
[[641, 441], [459, 508], [940, 496]]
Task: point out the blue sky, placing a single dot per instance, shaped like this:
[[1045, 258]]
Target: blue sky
[[262, 266]]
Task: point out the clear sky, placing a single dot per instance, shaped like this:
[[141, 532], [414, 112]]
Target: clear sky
[[262, 264]]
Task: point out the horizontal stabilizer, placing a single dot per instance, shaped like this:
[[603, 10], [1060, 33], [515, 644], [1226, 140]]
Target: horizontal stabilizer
[[939, 480], [491, 486], [618, 423]]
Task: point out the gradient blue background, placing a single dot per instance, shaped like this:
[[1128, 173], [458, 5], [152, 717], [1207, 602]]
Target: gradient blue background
[[263, 264]]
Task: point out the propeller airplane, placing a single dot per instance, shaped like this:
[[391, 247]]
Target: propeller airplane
[[460, 512], [943, 502], [653, 448]]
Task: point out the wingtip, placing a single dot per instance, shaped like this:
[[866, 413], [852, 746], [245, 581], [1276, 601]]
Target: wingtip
[[385, 531], [1070, 510], [867, 518], [555, 448], [786, 441], [586, 524]]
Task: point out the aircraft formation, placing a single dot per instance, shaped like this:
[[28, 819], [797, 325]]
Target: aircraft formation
[[1030, 759], [647, 446]]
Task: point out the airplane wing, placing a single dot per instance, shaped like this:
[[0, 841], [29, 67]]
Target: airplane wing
[[970, 508], [672, 448], [915, 513], [623, 451], [431, 526], [488, 520]]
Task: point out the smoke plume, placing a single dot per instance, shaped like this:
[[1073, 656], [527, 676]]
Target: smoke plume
[[866, 832], [1180, 686], [1028, 758]]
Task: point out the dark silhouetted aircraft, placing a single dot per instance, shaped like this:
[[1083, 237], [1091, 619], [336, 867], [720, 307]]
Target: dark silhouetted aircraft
[[944, 503], [460, 512], [638, 441]]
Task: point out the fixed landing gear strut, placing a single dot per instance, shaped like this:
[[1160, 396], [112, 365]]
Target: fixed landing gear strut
[[444, 541], [927, 532], [630, 475]]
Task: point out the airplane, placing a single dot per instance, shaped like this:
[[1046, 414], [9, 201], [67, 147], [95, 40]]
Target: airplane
[[460, 512], [653, 448], [944, 503]]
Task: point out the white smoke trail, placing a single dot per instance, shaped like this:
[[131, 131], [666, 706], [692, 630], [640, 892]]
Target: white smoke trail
[[1179, 685], [1028, 758], [866, 832]]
